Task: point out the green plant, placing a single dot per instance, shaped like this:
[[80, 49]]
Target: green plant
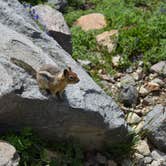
[[141, 26], [33, 2], [33, 151]]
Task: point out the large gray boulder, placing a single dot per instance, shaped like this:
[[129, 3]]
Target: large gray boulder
[[85, 113], [8, 155], [155, 124]]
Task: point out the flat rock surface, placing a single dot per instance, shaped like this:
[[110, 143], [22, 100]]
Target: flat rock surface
[[155, 124], [85, 112]]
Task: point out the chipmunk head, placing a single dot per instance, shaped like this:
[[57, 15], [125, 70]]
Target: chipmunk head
[[70, 76]]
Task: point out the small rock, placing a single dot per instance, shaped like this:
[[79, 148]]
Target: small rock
[[155, 163], [140, 63], [139, 127], [136, 76], [8, 155], [118, 75], [138, 156], [159, 67], [133, 118], [143, 148], [157, 155], [158, 81], [111, 163], [148, 100], [116, 60], [84, 62], [147, 160], [143, 91], [152, 76], [91, 21], [129, 70], [128, 95], [107, 78], [151, 87], [156, 126], [108, 39], [127, 80]]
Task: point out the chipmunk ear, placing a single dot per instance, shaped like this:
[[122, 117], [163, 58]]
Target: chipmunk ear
[[65, 72], [69, 68]]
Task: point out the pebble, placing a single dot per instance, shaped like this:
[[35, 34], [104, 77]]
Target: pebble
[[133, 118], [139, 127], [157, 155], [116, 60], [128, 95], [143, 91], [127, 80], [155, 163], [84, 62], [158, 81], [147, 160], [143, 148], [151, 86]]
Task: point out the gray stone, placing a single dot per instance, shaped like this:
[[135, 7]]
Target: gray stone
[[55, 25], [157, 155], [159, 67], [127, 80], [158, 81], [133, 118], [58, 4], [147, 160], [128, 95], [85, 113], [8, 155], [155, 163], [155, 124]]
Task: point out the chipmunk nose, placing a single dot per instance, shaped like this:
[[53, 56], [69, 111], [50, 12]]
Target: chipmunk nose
[[78, 80]]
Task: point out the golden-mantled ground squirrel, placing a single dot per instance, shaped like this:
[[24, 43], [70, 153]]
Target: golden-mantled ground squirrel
[[50, 77]]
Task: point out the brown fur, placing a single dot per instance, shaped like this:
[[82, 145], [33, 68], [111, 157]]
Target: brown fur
[[57, 80], [50, 77]]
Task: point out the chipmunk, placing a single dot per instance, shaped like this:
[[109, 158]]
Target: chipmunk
[[50, 77]]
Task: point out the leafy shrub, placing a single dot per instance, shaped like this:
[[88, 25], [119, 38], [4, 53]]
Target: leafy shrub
[[33, 151], [141, 26]]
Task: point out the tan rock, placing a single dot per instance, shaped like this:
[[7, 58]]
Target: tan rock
[[143, 91], [133, 118], [152, 86], [116, 60], [139, 127], [143, 148], [107, 39], [91, 21]]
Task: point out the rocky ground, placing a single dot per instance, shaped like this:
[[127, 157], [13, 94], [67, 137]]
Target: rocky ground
[[140, 93]]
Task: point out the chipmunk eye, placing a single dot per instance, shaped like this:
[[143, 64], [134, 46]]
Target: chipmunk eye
[[71, 78]]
